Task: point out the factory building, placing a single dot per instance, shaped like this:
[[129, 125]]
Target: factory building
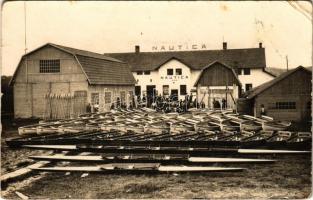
[[287, 97], [55, 81], [176, 72]]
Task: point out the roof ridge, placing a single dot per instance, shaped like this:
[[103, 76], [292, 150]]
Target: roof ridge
[[84, 52], [153, 52]]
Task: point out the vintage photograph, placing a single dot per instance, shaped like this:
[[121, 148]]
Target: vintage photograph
[[156, 100]]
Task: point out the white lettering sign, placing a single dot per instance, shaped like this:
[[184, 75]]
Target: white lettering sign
[[178, 47]]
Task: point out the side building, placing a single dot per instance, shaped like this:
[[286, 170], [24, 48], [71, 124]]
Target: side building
[[176, 72], [287, 97], [55, 81]]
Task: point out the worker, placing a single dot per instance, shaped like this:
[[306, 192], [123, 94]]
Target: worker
[[88, 108], [262, 109], [223, 104]]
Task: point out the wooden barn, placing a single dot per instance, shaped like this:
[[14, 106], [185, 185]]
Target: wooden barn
[[218, 82], [55, 81], [287, 97]]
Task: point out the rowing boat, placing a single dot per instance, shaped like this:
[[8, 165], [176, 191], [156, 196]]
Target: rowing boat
[[137, 167], [147, 159]]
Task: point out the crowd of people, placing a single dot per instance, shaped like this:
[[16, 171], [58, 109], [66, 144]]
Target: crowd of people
[[161, 103]]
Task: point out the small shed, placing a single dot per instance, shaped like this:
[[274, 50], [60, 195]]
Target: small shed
[[218, 82], [287, 97]]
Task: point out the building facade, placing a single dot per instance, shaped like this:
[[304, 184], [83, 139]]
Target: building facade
[[287, 97], [55, 81], [176, 72]]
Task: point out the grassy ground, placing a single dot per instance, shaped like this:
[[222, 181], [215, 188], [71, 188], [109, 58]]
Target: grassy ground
[[289, 177]]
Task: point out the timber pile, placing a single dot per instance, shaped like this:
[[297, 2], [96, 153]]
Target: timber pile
[[142, 139]]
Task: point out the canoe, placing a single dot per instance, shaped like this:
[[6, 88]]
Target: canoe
[[275, 125], [300, 140], [27, 130], [255, 139], [213, 150], [125, 159], [279, 139], [136, 167]]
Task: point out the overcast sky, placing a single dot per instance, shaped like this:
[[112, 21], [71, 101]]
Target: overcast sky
[[118, 26]]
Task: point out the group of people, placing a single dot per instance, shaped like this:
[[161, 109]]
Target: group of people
[[161, 103]]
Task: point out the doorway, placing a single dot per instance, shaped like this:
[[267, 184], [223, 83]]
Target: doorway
[[174, 95], [150, 94]]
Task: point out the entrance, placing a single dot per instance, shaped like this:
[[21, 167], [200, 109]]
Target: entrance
[[174, 95], [150, 94]]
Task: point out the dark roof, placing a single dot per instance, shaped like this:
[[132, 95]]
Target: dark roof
[[212, 64], [98, 68], [261, 88], [243, 58], [84, 52], [106, 72]]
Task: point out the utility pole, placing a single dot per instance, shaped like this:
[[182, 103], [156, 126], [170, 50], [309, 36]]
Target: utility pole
[[287, 62]]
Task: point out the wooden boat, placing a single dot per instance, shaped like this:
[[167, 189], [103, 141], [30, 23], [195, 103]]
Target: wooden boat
[[227, 150], [207, 125], [147, 159], [269, 124], [27, 130], [75, 127], [135, 127], [181, 127], [46, 129], [158, 127], [300, 140], [255, 139], [137, 167], [279, 139], [275, 125]]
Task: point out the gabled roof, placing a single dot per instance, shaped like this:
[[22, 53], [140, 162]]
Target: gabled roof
[[243, 58], [261, 88], [212, 64], [98, 68]]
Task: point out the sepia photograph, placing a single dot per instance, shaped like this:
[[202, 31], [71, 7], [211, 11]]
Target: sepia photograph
[[156, 100]]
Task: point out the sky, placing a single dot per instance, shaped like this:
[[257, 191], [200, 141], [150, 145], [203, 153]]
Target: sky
[[108, 26]]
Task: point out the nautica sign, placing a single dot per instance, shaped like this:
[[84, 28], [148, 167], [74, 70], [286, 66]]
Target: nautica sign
[[179, 47]]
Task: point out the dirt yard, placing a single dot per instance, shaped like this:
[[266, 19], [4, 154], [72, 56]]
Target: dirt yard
[[289, 177]]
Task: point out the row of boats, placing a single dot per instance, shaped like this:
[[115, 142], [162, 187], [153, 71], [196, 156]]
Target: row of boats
[[148, 121], [140, 125]]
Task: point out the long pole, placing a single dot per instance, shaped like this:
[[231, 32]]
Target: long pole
[[287, 62]]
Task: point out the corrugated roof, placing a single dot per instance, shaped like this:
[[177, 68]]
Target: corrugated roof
[[261, 88], [242, 58], [98, 68]]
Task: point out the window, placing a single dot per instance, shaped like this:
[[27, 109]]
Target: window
[[94, 98], [107, 97], [123, 96], [49, 66], [169, 71], [166, 90], [139, 73], [137, 90], [183, 89], [178, 71], [248, 87], [246, 71], [146, 72], [239, 71], [285, 105]]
